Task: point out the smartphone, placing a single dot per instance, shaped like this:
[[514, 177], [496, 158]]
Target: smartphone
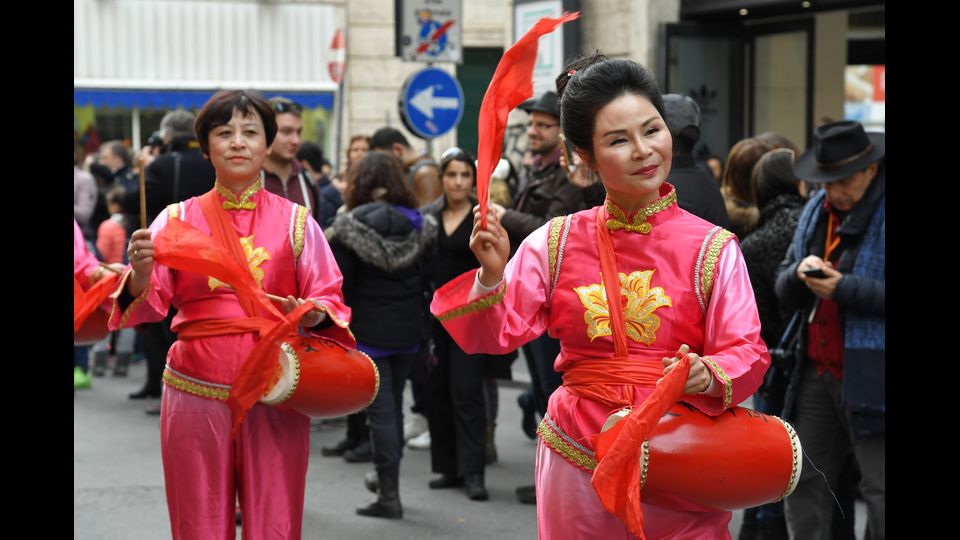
[[815, 273], [566, 153]]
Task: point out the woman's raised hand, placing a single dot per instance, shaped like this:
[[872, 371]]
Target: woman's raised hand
[[491, 246]]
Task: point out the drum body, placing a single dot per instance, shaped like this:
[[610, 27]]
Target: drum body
[[738, 459], [321, 378], [93, 329]]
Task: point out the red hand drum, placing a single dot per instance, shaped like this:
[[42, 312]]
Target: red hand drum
[[93, 329], [320, 378], [739, 459]]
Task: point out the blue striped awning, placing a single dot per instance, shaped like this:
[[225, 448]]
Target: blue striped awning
[[171, 99]]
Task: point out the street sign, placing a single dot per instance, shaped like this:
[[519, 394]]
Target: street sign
[[338, 50], [429, 30], [431, 103]]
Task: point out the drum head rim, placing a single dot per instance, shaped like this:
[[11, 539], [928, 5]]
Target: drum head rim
[[290, 377], [376, 374], [797, 462]]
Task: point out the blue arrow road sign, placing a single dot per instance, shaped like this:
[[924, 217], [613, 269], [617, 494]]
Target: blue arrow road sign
[[431, 102]]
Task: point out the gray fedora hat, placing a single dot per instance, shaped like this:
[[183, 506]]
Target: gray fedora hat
[[839, 150], [548, 103]]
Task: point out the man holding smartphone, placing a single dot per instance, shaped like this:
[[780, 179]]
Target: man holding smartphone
[[835, 272]]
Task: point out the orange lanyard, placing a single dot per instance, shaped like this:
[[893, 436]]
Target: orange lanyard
[[832, 239]]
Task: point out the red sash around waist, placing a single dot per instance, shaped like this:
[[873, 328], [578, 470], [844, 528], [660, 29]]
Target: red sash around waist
[[594, 379]]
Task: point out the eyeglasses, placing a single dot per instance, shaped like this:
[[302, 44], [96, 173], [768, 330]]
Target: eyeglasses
[[540, 126], [286, 106]]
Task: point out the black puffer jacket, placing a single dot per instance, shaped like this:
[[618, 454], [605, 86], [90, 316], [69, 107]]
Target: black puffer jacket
[[382, 255], [763, 249]]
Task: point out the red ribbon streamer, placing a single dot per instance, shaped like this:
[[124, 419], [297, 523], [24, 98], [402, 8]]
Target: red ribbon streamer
[[511, 85], [86, 302]]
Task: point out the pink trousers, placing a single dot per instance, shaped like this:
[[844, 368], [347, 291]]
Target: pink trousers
[[569, 509], [204, 470]]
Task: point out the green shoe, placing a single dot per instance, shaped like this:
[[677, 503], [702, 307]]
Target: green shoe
[[81, 380]]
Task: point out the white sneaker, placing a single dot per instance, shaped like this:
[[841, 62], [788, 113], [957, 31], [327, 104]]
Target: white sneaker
[[414, 425], [420, 442]]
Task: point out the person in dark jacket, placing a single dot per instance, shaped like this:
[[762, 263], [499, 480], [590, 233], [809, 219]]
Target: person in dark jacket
[[455, 386], [697, 192], [840, 389], [329, 199], [381, 244], [179, 173], [779, 200]]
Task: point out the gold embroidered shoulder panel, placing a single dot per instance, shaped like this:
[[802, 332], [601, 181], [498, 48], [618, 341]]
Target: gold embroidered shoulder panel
[[705, 270], [641, 303], [173, 210], [556, 243], [299, 226]]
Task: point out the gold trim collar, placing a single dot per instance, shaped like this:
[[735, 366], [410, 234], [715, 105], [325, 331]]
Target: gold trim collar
[[639, 224], [244, 203]]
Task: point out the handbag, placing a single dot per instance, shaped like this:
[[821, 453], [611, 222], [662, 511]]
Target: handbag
[[784, 359]]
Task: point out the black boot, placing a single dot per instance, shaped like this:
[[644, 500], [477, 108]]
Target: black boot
[[148, 391], [337, 449], [99, 363], [387, 504], [475, 489], [371, 481], [362, 453], [121, 364]]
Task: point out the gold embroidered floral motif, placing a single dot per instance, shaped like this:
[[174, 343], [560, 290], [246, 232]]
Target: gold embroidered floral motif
[[255, 257], [477, 305], [194, 388], [710, 262], [244, 203], [173, 210], [727, 382], [298, 229], [639, 224], [641, 302], [567, 451]]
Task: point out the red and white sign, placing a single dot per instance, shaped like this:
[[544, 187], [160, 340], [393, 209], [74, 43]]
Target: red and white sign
[[338, 65]]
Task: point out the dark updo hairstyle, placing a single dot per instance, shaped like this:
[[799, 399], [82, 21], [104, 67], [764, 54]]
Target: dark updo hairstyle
[[773, 176], [378, 177], [457, 154], [588, 83], [219, 109]]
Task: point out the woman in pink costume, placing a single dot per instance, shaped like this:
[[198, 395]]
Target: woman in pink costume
[[683, 290], [204, 467]]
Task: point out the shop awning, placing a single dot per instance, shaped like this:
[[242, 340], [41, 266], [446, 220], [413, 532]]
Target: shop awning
[[171, 99]]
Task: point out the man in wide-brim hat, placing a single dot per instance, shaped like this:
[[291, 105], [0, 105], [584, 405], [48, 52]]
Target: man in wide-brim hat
[[839, 401]]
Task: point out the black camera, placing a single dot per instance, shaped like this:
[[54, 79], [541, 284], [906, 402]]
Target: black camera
[[154, 139]]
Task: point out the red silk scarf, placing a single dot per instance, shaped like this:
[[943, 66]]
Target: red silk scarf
[[616, 478], [86, 302]]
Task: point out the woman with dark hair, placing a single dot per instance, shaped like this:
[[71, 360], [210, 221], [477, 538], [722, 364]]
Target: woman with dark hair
[[684, 299], [381, 244], [205, 467], [456, 385], [738, 191]]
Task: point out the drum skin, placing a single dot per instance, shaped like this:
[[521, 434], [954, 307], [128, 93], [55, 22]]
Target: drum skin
[[93, 329], [738, 459], [323, 379]]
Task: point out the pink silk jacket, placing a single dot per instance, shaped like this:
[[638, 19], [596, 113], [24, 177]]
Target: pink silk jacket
[[683, 281], [287, 255]]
